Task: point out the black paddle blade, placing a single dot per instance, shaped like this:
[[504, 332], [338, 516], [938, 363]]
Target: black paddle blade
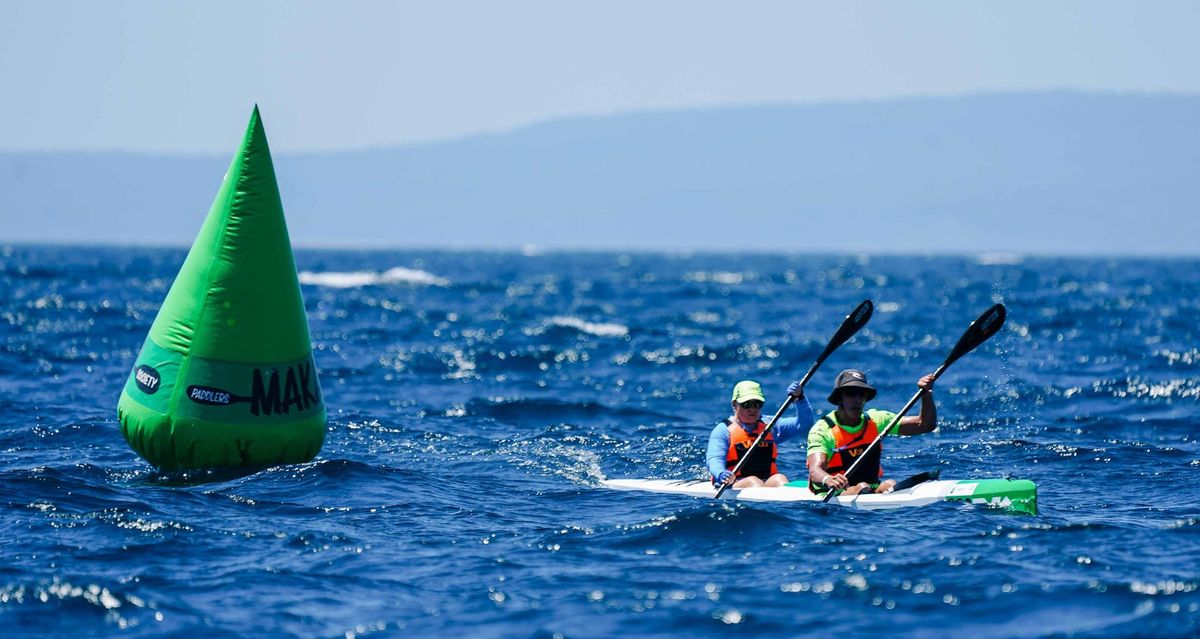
[[978, 332], [853, 323]]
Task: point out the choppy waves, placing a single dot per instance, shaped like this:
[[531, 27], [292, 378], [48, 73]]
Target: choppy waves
[[477, 400]]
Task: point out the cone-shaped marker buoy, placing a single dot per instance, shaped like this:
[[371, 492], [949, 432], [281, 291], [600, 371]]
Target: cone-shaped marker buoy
[[226, 376]]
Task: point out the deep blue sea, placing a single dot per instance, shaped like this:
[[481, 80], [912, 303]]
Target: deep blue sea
[[476, 400]]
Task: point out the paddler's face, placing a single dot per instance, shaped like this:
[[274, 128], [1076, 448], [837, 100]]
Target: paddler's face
[[853, 399], [748, 412]]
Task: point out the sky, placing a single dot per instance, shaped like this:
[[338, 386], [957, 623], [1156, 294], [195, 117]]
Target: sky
[[180, 78]]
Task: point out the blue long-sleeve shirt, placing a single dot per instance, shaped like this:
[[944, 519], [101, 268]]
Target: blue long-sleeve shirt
[[785, 429]]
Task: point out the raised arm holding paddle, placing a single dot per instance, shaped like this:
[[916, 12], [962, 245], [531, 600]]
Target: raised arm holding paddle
[[983, 328], [844, 436]]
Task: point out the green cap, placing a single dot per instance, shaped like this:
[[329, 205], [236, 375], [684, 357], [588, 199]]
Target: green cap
[[746, 391]]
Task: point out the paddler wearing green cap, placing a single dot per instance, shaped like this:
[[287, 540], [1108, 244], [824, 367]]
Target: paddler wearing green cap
[[732, 438], [836, 440]]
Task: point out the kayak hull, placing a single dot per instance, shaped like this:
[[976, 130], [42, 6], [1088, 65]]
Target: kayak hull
[[1011, 495]]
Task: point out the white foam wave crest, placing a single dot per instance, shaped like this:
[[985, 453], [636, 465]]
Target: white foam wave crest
[[597, 329], [358, 279], [999, 259], [718, 277]]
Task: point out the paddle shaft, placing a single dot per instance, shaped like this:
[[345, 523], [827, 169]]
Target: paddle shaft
[[978, 332], [851, 325]]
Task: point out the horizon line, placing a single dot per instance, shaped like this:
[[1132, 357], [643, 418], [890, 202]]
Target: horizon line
[[996, 257], [584, 116]]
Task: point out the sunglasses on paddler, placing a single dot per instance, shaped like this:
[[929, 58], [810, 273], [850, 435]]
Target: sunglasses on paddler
[[753, 404]]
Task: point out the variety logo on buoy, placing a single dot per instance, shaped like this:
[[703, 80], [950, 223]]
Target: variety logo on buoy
[[147, 379]]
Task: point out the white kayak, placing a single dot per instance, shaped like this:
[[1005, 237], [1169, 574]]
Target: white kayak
[[1014, 495]]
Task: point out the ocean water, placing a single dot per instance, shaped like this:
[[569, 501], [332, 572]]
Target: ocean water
[[477, 399]]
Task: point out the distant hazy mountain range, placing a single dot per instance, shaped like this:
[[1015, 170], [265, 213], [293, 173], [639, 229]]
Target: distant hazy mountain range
[[1061, 172]]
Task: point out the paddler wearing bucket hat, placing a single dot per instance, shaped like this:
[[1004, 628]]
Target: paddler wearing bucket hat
[[836, 440], [732, 438]]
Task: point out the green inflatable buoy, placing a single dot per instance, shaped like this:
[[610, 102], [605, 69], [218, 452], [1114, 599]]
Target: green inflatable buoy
[[226, 376]]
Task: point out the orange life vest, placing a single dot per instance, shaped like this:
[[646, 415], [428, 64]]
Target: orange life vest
[[762, 460], [847, 447]]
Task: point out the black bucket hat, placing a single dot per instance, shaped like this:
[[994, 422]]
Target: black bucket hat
[[850, 378]]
